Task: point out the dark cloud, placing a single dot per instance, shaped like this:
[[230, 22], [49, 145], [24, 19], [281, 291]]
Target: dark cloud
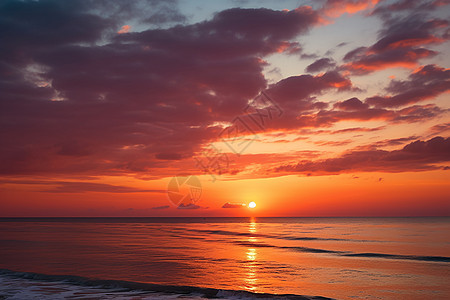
[[357, 129], [365, 62], [168, 156], [326, 118], [78, 186], [28, 27], [411, 114], [424, 84], [190, 206], [416, 156], [233, 205], [417, 113], [320, 65], [440, 128], [410, 32], [82, 187], [294, 93], [394, 142], [339, 131], [161, 207], [79, 98], [401, 43], [351, 104], [389, 9], [231, 33]]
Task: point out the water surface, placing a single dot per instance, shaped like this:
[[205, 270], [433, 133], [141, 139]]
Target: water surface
[[343, 258]]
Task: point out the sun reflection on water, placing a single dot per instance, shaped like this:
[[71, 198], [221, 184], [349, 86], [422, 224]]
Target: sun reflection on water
[[251, 275]]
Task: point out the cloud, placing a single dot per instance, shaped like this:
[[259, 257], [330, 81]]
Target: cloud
[[425, 83], [411, 114], [321, 64], [401, 44], [416, 156], [440, 128], [295, 94], [168, 156], [326, 118], [394, 142], [302, 86], [82, 187], [417, 113], [234, 205], [357, 129], [124, 29], [333, 143], [335, 8], [190, 206], [78, 98], [161, 207], [351, 104], [55, 186], [365, 61], [339, 131], [233, 32], [388, 9]]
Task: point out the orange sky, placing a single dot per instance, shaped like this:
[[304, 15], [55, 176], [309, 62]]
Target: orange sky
[[358, 194]]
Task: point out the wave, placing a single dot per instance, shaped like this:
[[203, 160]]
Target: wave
[[347, 253], [121, 286], [317, 250], [399, 256], [281, 237]]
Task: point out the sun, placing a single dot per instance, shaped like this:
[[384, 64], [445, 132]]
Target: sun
[[252, 205]]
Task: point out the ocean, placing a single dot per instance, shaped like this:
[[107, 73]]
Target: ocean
[[230, 258]]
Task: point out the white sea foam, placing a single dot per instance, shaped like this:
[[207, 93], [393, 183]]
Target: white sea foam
[[21, 288], [22, 285]]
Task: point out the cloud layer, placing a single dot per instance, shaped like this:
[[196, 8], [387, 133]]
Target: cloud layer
[[85, 93]]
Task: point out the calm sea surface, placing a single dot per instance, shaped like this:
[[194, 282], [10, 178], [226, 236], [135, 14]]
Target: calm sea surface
[[342, 258]]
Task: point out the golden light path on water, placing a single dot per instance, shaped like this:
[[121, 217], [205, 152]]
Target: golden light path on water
[[251, 279]]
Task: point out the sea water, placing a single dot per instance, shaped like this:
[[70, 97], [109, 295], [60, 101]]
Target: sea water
[[166, 258]]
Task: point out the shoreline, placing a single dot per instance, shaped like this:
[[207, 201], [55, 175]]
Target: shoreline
[[16, 285]]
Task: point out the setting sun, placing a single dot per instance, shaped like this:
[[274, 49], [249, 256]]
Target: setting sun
[[252, 205]]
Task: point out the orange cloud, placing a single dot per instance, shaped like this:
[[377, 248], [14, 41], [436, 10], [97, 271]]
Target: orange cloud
[[367, 68], [416, 42], [336, 8], [403, 58], [124, 29]]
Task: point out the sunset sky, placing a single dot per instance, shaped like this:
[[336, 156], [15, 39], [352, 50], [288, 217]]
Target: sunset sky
[[307, 108]]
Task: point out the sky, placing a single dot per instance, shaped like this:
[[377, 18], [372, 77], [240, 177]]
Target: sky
[[197, 108]]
